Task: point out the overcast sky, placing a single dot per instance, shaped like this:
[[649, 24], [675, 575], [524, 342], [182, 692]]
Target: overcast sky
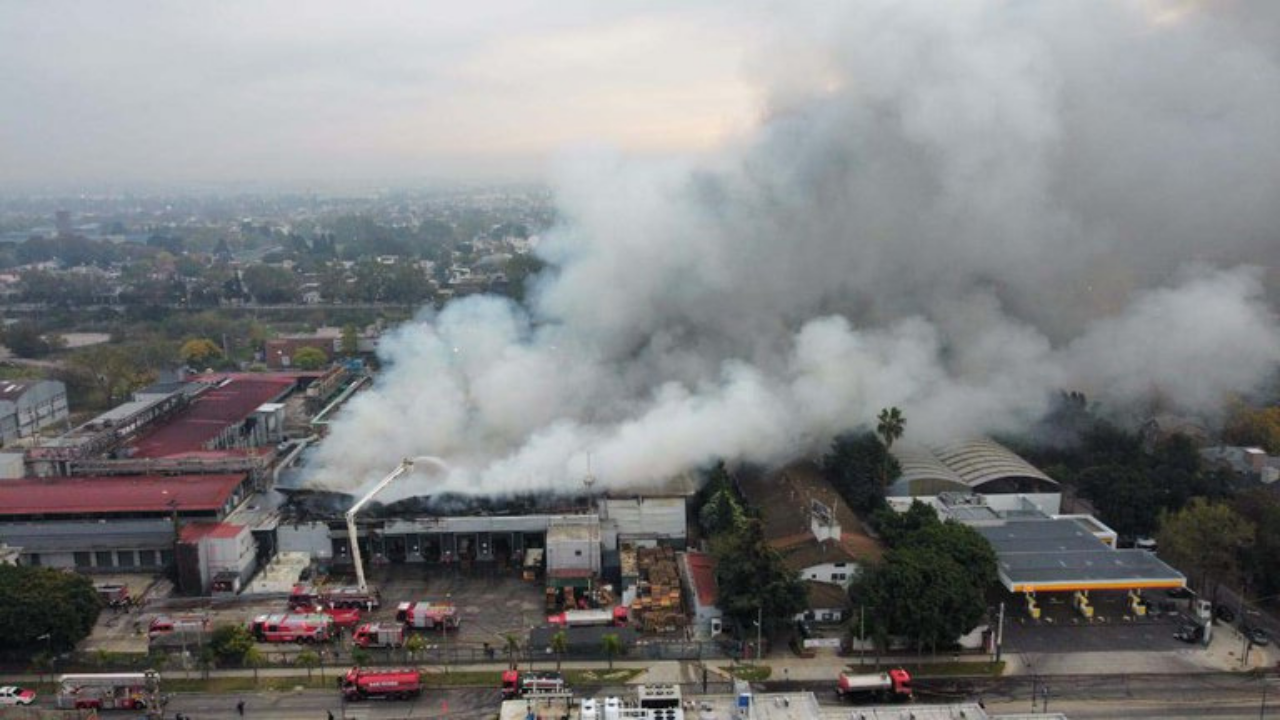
[[145, 94]]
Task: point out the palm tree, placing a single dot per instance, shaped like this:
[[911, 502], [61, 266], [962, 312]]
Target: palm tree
[[512, 649], [889, 428], [254, 658], [559, 645], [307, 659], [612, 645]]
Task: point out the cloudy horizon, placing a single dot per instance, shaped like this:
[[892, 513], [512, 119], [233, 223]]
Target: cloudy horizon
[[141, 95]]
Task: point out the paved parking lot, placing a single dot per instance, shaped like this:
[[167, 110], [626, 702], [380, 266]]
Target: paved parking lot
[[492, 603], [1062, 630]]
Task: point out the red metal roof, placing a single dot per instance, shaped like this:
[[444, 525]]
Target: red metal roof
[[192, 532], [702, 572], [209, 414], [132, 493]]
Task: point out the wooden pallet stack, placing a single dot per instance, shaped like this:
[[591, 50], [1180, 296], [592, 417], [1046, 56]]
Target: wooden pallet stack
[[658, 607]]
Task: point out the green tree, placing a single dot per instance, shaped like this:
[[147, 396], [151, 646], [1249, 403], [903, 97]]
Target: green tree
[[270, 285], [414, 645], [922, 594], [941, 570], [1124, 496], [308, 659], [890, 424], [855, 466], [612, 646], [1206, 540], [511, 646], [37, 601], [350, 343], [310, 358], [1261, 561], [112, 371], [360, 656], [200, 352], [722, 511], [25, 340], [752, 577], [559, 646], [230, 644], [254, 658], [1252, 426]]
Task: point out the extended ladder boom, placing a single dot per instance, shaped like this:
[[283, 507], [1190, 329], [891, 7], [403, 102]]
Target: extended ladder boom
[[405, 466]]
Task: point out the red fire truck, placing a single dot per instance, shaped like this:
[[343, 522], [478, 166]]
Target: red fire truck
[[615, 617], [379, 635], [518, 684], [428, 616], [286, 628], [892, 685], [335, 596], [396, 684], [342, 617]]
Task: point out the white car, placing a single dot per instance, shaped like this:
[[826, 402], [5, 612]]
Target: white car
[[12, 695]]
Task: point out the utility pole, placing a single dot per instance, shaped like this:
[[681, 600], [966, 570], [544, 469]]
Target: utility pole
[[759, 632], [1000, 631], [1262, 710], [862, 634]]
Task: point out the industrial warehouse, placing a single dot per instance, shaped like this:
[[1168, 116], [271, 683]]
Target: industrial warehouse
[[208, 476]]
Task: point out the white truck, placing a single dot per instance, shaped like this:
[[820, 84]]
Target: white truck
[[891, 685]]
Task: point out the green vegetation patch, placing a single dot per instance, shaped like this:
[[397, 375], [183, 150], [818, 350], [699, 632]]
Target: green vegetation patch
[[592, 677], [750, 673]]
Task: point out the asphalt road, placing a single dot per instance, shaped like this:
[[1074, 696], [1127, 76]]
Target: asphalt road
[[1100, 696], [1080, 697]]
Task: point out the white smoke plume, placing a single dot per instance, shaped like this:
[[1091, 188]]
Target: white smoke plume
[[956, 208]]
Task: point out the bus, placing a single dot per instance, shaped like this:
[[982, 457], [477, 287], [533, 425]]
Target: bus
[[105, 691]]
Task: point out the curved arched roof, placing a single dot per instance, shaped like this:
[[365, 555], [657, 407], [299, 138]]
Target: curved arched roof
[[970, 464]]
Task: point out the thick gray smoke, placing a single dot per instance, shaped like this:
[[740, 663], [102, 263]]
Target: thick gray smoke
[[957, 208]]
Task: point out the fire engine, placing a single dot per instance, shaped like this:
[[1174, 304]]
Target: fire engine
[[427, 615], [394, 684], [336, 596], [379, 635], [342, 617], [518, 684], [615, 617], [292, 628]]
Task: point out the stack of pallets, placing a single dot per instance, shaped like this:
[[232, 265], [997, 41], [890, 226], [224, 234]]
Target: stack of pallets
[[658, 607]]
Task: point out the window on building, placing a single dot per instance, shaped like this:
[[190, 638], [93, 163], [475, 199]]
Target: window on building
[[166, 557], [839, 576], [577, 553], [104, 558], [126, 558], [147, 558], [83, 559], [33, 559]]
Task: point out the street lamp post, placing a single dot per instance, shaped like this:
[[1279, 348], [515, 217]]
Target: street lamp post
[[759, 633]]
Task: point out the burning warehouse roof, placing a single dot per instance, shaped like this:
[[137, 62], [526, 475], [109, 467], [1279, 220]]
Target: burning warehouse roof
[[313, 504]]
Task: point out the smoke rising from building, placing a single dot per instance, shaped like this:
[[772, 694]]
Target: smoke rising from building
[[956, 208]]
